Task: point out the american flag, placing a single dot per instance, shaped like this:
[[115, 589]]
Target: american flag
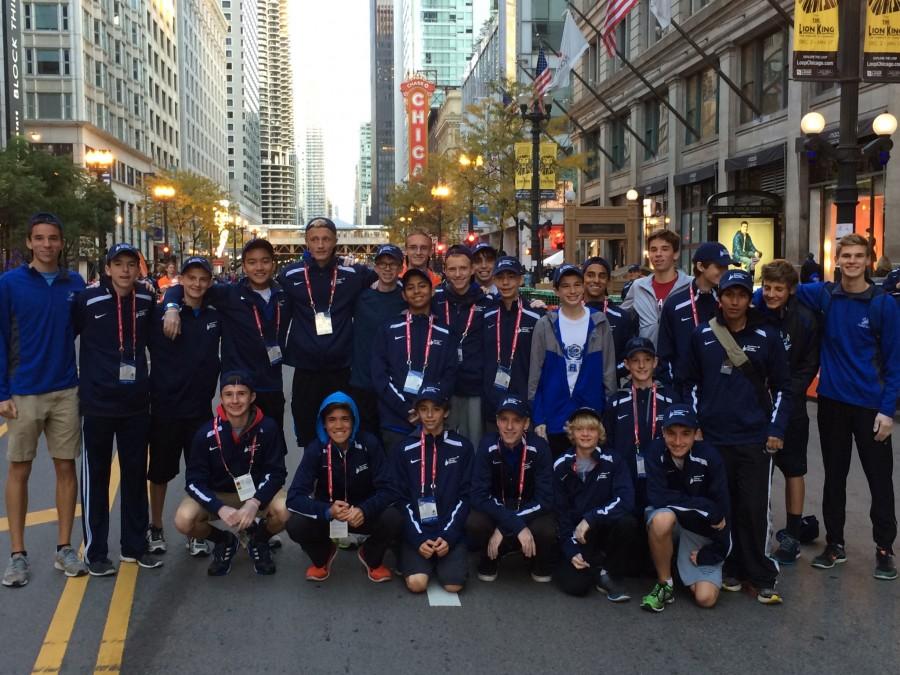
[[542, 75], [615, 13]]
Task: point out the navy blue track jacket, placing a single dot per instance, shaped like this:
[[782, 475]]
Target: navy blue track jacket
[[676, 325], [728, 406], [447, 304], [696, 493], [242, 346], [495, 482], [607, 493], [491, 396], [305, 349], [37, 338], [618, 421], [624, 324], [454, 462], [389, 367], [95, 318], [205, 474], [185, 370], [373, 308]]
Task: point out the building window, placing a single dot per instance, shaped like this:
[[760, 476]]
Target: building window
[[652, 30], [702, 105], [46, 17], [764, 74], [591, 149], [656, 128], [49, 106], [48, 62], [619, 146], [693, 217]]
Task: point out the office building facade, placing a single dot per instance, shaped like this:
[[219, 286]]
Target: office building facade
[[381, 37]]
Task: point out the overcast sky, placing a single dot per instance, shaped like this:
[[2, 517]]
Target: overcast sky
[[330, 59]]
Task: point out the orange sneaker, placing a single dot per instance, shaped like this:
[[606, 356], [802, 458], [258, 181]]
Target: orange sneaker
[[316, 573], [377, 574]]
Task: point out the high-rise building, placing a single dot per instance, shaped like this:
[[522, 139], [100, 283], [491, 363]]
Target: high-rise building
[[364, 175], [202, 29], [382, 67], [315, 174], [276, 107], [242, 107]]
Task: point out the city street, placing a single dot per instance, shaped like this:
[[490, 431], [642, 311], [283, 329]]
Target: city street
[[177, 619]]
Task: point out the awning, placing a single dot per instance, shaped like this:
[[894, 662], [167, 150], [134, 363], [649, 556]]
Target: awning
[[832, 133], [697, 174], [655, 187], [555, 259], [770, 155]]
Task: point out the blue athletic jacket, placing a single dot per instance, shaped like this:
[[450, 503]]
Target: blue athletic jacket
[[728, 405], [454, 462], [696, 493], [95, 318], [518, 383], [607, 493], [624, 324], [676, 325], [37, 339], [205, 474], [305, 349], [185, 370], [242, 346], [389, 367], [358, 475], [373, 308], [495, 482], [447, 304], [548, 386], [860, 345], [618, 421]]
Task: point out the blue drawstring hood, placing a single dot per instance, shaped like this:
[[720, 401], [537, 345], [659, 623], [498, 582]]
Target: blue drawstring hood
[[337, 398]]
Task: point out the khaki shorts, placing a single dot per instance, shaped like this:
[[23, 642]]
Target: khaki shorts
[[191, 508], [54, 414]]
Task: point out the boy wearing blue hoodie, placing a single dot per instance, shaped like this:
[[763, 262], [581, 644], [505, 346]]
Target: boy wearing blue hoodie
[[342, 486]]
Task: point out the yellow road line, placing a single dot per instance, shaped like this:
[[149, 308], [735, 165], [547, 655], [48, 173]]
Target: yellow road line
[[112, 644], [38, 518], [3, 429], [56, 641]]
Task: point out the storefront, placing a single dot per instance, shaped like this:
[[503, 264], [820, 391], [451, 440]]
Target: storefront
[[694, 188]]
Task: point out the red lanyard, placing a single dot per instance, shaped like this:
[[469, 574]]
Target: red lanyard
[[330, 475], [515, 342], [409, 341], [468, 321], [521, 477], [216, 423], [312, 302], [121, 325], [634, 407], [277, 321], [434, 460], [693, 305], [605, 304]]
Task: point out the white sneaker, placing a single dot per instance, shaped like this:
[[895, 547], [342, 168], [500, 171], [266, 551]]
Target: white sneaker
[[197, 548]]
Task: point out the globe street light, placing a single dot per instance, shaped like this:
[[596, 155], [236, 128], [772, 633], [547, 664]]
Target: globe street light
[[440, 192]]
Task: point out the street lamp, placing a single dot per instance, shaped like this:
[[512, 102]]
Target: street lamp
[[466, 162], [98, 162], [532, 111], [440, 192], [164, 193]]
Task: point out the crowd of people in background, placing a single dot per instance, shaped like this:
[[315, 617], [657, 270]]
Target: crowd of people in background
[[443, 414]]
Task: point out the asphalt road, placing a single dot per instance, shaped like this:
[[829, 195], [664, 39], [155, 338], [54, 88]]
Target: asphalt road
[[177, 619]]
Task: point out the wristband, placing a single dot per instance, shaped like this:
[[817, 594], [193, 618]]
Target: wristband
[[172, 305]]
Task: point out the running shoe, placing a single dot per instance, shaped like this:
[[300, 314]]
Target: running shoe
[[788, 550], [834, 554], [768, 596], [884, 564], [17, 571], [197, 548], [378, 574], [612, 588], [101, 568], [67, 561], [657, 599], [145, 560], [223, 554], [261, 555], [731, 584], [487, 568], [316, 573], [156, 541]]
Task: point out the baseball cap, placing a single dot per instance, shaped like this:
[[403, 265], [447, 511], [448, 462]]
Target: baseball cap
[[639, 344], [416, 272], [596, 260], [740, 278], [513, 404], [712, 252], [484, 247], [563, 270], [258, 243], [585, 410], [322, 221], [122, 248], [679, 414], [634, 269], [236, 377], [44, 218], [433, 394], [508, 263], [459, 249], [389, 250], [196, 261]]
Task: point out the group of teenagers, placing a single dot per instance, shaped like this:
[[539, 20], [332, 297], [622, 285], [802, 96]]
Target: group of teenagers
[[439, 416]]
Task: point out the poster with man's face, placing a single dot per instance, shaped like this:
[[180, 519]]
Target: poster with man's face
[[751, 241]]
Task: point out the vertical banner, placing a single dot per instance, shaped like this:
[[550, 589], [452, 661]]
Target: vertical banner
[[523, 170], [815, 39], [548, 170], [14, 93], [417, 91], [881, 49]]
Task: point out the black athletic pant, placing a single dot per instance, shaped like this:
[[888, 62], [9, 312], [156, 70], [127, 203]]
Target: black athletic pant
[[130, 435], [606, 547], [480, 526], [272, 405], [309, 389], [312, 535], [367, 403], [749, 470], [839, 425]]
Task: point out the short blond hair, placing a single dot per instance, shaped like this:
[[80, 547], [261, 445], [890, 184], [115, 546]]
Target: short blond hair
[[585, 420], [853, 240]]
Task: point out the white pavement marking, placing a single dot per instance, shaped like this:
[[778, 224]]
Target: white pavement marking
[[438, 597]]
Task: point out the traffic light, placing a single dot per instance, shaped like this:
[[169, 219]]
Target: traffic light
[[471, 239], [559, 241]]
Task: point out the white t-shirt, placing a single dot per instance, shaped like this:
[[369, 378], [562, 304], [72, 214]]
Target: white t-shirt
[[266, 293], [574, 335]]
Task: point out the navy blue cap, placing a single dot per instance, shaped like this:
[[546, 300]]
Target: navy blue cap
[[389, 250], [679, 414], [563, 270], [713, 252], [639, 344], [236, 377], [322, 221], [596, 260], [516, 405], [632, 269], [459, 249], [416, 272], [122, 248], [484, 246], [196, 261], [740, 278], [44, 218], [433, 394], [585, 410], [892, 282], [508, 263]]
